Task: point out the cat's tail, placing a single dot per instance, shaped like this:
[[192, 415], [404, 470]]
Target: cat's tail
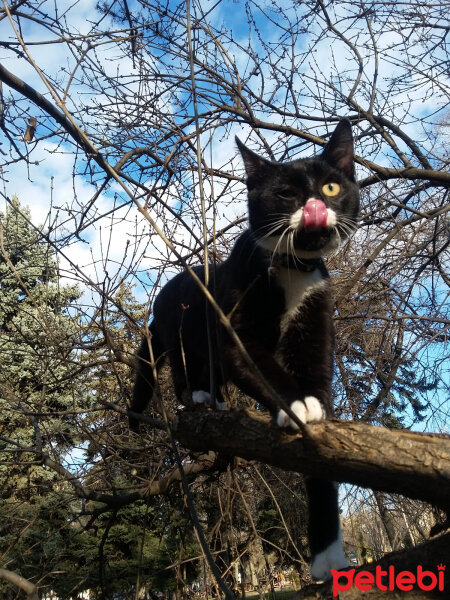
[[144, 383]]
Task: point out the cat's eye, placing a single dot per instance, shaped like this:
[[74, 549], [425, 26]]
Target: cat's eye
[[331, 189], [287, 194]]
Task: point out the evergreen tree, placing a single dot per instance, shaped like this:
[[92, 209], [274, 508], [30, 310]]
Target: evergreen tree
[[54, 366], [38, 396], [36, 329]]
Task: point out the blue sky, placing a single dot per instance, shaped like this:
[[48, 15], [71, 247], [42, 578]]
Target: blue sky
[[51, 191]]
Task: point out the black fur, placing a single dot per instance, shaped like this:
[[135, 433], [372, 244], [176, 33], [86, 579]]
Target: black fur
[[294, 351]]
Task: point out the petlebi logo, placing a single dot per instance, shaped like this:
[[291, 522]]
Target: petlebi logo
[[389, 580]]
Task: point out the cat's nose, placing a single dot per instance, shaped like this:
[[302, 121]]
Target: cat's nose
[[315, 215]]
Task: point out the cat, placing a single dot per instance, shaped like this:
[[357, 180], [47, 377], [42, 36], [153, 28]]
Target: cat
[[276, 289]]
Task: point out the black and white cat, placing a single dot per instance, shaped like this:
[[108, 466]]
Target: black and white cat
[[276, 290]]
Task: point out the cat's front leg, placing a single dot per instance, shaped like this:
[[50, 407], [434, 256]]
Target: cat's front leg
[[249, 382], [305, 351]]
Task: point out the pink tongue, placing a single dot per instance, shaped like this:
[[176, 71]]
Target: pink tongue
[[315, 215]]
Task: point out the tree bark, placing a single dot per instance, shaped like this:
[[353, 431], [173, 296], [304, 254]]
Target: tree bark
[[416, 465]]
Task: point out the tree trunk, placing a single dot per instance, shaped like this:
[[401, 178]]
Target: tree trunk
[[386, 520]]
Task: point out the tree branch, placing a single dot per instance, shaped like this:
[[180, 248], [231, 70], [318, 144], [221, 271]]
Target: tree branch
[[380, 172], [416, 465], [29, 588]]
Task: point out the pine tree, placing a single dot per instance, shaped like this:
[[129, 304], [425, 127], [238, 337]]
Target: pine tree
[[46, 353], [36, 328], [37, 395]]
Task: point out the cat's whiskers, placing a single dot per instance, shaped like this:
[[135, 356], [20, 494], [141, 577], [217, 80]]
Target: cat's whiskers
[[268, 233], [274, 226], [281, 223], [284, 231], [339, 238], [348, 224], [344, 229], [278, 245], [291, 244]]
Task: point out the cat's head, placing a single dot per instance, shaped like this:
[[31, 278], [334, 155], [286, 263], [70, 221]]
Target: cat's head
[[305, 207]]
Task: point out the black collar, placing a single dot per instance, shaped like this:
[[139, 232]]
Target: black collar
[[289, 261]]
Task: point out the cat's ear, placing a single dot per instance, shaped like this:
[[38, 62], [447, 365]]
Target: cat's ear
[[254, 164], [339, 150]]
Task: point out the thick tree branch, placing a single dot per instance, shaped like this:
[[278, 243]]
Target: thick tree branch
[[413, 464], [29, 92], [29, 588], [201, 464]]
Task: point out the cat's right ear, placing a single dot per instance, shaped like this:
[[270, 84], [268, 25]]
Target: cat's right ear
[[339, 150], [254, 164]]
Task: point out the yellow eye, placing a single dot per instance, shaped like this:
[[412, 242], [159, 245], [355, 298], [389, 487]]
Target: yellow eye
[[331, 189]]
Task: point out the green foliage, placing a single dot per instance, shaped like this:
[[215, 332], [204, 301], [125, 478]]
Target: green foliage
[[121, 550], [37, 334], [54, 367], [36, 328], [376, 370]]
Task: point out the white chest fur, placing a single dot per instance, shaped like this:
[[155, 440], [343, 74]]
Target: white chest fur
[[297, 286]]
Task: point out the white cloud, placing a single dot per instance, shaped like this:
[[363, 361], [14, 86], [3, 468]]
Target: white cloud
[[114, 245]]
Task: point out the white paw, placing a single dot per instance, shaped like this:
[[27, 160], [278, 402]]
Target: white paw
[[201, 397], [299, 409], [306, 411], [314, 409], [332, 557]]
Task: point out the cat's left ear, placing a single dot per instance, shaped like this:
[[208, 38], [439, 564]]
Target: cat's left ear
[[254, 164], [339, 150]]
